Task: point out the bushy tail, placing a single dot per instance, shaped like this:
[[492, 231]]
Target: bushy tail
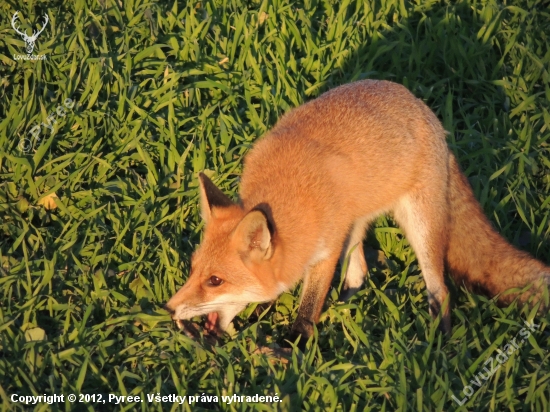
[[478, 256]]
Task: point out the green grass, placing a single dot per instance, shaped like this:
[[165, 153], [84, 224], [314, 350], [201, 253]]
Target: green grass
[[164, 90]]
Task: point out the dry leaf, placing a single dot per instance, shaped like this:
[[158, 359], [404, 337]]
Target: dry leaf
[[35, 334], [263, 17], [49, 201]]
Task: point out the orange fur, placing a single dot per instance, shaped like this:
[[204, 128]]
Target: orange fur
[[478, 256], [311, 186]]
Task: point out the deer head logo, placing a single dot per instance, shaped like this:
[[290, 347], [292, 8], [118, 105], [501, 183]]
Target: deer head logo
[[29, 40]]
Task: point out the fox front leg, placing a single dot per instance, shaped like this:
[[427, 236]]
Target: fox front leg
[[316, 285]]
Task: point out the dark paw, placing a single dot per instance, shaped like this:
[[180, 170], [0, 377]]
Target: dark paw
[[445, 323], [302, 329], [292, 340], [347, 293]]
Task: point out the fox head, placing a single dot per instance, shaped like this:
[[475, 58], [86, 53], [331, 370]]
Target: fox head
[[232, 267]]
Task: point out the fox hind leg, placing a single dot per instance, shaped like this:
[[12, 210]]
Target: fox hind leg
[[357, 266], [423, 217]]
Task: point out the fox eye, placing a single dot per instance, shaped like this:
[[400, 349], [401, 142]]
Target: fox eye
[[215, 281]]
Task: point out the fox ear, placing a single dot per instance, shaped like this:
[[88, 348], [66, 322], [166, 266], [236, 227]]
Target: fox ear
[[253, 236], [211, 197]]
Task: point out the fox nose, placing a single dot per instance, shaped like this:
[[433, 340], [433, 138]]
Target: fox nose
[[169, 309]]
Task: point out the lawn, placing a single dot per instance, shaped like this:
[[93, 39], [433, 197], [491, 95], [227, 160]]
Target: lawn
[[101, 143]]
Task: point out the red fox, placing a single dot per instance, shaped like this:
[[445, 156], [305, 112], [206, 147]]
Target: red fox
[[311, 187]]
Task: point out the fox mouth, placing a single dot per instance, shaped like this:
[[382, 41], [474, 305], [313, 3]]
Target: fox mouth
[[212, 322], [193, 329]]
